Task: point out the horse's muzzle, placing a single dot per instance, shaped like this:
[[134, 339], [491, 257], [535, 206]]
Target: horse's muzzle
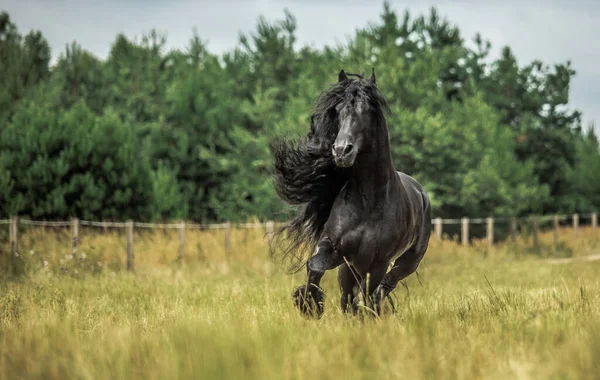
[[344, 155]]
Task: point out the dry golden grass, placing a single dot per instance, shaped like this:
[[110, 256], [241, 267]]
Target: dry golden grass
[[479, 312], [159, 247]]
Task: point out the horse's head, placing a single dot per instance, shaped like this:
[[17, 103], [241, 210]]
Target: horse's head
[[356, 114]]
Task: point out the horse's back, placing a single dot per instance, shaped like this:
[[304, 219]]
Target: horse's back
[[412, 185], [408, 180]]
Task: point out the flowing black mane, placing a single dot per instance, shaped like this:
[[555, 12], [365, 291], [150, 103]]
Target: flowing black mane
[[305, 172]]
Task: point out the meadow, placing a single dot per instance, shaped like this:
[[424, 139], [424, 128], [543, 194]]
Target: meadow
[[476, 312]]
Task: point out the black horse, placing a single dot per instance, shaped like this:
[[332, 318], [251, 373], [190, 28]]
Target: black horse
[[359, 212]]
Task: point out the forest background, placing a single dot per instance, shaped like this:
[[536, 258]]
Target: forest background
[[157, 135]]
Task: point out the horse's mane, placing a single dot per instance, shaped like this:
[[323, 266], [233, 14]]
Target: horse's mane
[[305, 172]]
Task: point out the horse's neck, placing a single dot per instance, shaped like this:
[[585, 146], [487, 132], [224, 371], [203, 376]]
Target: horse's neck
[[374, 171]]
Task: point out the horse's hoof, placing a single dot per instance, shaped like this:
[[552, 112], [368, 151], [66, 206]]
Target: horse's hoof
[[309, 300]]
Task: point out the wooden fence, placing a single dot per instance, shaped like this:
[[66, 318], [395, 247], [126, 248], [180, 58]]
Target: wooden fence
[[438, 223]]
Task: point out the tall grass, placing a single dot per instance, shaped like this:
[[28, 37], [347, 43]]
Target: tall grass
[[473, 312]]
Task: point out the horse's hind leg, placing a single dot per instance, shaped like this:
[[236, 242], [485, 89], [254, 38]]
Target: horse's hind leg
[[403, 267]]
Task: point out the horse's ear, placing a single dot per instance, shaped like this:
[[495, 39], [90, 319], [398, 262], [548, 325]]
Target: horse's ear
[[372, 78], [342, 76]]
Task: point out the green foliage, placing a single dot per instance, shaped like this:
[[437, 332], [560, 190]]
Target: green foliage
[[23, 63], [583, 176], [184, 134], [72, 164], [167, 202], [465, 160], [78, 75]]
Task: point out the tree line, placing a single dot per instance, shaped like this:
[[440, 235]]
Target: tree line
[[152, 134]]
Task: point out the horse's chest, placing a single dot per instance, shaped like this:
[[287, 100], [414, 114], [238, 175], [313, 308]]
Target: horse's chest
[[374, 240], [364, 235]]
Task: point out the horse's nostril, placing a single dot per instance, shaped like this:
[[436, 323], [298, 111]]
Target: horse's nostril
[[348, 149]]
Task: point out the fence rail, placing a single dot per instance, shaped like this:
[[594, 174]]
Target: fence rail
[[269, 226]]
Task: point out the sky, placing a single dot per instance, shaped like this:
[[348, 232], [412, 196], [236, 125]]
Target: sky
[[551, 31]]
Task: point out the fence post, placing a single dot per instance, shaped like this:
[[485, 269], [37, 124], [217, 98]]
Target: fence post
[[437, 222], [594, 220], [575, 223], [130, 262], [490, 230], [75, 232], [270, 225], [555, 229], [227, 237], [513, 229], [465, 231], [13, 229], [534, 230], [181, 241]]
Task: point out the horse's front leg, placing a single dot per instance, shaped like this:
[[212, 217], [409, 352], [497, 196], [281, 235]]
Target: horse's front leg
[[367, 287], [309, 298]]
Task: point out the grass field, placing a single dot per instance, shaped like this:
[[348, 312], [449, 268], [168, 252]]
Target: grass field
[[477, 313]]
